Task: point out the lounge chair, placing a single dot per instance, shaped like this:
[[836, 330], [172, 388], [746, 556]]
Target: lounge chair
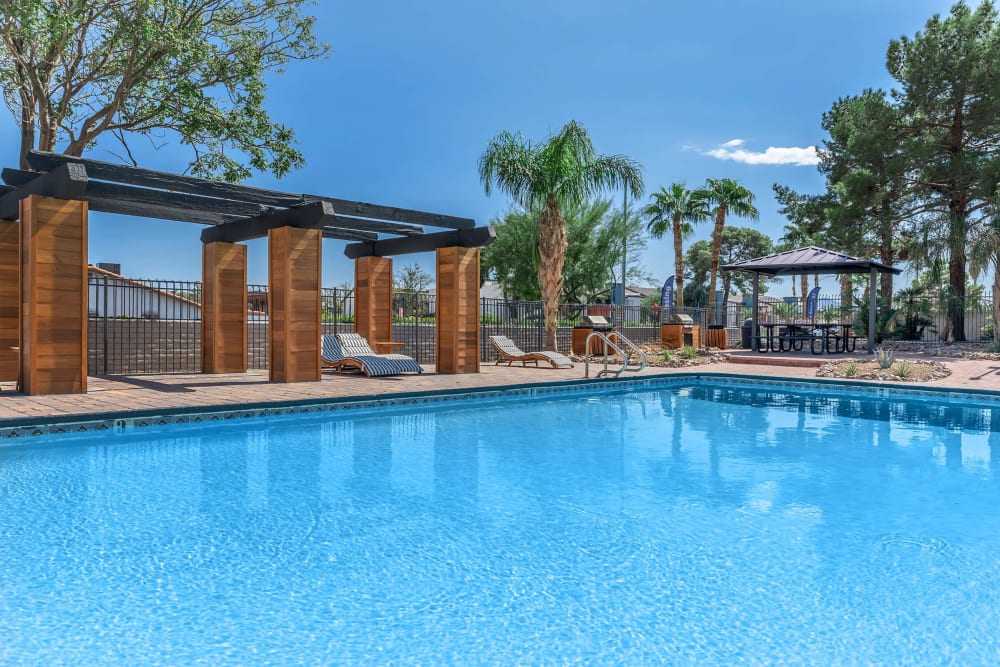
[[372, 365], [508, 351], [355, 345]]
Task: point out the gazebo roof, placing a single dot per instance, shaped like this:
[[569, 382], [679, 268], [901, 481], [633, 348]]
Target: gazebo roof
[[809, 260]]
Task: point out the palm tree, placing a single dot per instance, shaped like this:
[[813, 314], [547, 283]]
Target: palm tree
[[678, 208], [797, 235], [563, 169], [984, 254], [727, 196]]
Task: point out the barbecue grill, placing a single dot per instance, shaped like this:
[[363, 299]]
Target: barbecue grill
[[679, 330], [589, 323], [595, 322]]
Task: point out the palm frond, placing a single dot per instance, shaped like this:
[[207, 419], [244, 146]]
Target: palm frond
[[510, 162]]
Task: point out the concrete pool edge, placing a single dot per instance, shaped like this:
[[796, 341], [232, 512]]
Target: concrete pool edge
[[13, 429]]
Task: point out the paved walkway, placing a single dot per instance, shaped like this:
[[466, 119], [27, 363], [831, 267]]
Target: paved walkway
[[152, 392]]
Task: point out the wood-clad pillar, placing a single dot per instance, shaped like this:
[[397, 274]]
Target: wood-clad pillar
[[53, 296], [457, 319], [10, 298], [294, 269], [224, 308], [373, 298]]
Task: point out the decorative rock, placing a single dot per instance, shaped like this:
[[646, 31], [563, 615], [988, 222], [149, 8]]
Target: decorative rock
[[921, 370]]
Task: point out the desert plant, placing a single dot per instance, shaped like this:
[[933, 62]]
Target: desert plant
[[884, 357], [689, 352], [851, 369], [667, 356], [902, 369]]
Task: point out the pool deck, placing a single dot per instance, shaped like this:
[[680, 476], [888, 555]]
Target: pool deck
[[149, 393]]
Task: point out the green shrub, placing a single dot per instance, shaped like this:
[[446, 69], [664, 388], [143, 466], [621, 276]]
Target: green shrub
[[689, 352], [667, 356], [851, 369]]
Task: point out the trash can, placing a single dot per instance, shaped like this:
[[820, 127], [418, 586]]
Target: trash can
[[746, 334]]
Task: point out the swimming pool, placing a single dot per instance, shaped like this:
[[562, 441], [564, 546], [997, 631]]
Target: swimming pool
[[696, 523]]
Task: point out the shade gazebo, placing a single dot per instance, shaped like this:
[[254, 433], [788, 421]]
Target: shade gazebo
[[811, 260]]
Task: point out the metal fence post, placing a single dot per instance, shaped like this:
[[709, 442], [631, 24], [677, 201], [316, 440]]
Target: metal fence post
[[105, 327]]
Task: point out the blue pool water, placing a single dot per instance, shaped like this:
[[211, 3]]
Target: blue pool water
[[708, 525]]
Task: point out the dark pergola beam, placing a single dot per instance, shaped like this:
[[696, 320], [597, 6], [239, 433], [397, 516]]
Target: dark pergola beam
[[161, 180], [69, 181], [310, 216], [468, 238], [363, 224], [151, 211]]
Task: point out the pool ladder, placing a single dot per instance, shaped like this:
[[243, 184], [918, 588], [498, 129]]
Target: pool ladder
[[608, 345]]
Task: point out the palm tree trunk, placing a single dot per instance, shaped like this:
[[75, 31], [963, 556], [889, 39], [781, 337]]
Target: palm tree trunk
[[846, 292], [720, 221], [678, 266], [552, 256], [804, 284]]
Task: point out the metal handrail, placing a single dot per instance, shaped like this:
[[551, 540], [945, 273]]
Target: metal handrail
[[610, 345], [638, 350]]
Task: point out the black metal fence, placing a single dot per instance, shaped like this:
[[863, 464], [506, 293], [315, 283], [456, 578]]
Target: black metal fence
[[143, 326], [154, 326], [915, 319]]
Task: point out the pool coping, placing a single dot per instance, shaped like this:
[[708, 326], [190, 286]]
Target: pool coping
[[122, 420]]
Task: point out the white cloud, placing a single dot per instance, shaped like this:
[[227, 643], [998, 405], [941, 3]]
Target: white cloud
[[733, 150]]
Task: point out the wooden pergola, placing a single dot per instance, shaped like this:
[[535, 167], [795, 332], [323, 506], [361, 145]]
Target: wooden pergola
[[43, 267]]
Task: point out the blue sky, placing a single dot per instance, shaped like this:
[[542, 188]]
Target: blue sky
[[412, 92]]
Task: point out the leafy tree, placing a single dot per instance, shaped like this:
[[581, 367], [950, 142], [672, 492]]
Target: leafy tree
[[73, 71], [948, 98], [548, 176], [410, 286], [593, 248], [865, 166], [738, 244], [676, 208], [727, 197]]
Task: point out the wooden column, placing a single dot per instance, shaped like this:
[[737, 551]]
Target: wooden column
[[10, 299], [373, 298], [457, 320], [224, 308], [53, 296], [294, 270]]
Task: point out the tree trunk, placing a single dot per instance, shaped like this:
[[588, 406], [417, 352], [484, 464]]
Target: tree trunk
[[27, 136], [552, 256], [846, 292], [886, 256], [678, 266], [956, 275], [804, 284], [720, 221]]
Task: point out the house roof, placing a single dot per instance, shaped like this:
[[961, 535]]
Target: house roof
[[139, 284], [810, 259]]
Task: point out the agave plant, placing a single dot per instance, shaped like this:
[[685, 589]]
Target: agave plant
[[903, 369], [884, 357], [689, 352], [851, 369]]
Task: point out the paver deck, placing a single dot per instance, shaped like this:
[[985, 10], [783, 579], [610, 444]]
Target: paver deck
[[171, 392]]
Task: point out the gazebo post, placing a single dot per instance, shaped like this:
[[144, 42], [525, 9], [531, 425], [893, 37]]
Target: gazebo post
[[872, 280], [755, 315]]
